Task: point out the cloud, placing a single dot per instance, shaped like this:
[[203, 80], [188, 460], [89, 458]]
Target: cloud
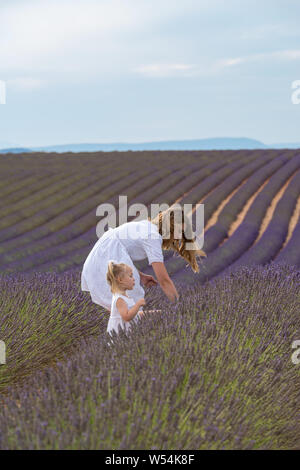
[[24, 83], [77, 41], [293, 54], [38, 32], [164, 70], [284, 55], [213, 67], [81, 39], [230, 62], [264, 31], [289, 54]]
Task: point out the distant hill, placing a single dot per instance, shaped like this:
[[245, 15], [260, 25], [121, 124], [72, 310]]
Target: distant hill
[[17, 150], [215, 143], [287, 145]]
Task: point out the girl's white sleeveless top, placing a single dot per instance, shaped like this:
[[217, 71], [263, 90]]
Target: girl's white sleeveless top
[[115, 319]]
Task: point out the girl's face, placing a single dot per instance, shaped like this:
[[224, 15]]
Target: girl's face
[[127, 281]]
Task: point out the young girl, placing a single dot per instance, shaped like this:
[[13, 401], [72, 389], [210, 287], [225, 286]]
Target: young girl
[[124, 309]]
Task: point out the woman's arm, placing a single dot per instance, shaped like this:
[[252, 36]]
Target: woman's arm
[[164, 280]]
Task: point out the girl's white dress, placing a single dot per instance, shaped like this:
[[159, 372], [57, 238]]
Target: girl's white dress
[[115, 320], [129, 242]]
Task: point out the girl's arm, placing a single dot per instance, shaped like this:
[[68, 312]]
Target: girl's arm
[[128, 313]]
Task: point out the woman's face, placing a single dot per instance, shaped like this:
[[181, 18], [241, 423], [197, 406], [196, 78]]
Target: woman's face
[[127, 280]]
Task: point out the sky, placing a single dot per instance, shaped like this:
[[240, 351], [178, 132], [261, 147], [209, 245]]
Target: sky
[[103, 71]]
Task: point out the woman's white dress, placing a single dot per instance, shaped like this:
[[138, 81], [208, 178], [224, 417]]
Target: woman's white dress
[[115, 319], [129, 242]]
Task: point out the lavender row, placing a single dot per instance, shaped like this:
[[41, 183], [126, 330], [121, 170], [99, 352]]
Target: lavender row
[[28, 243], [20, 198], [88, 237], [89, 186], [18, 185], [272, 239], [79, 244], [79, 251], [189, 184], [244, 236], [62, 220], [219, 231], [52, 195], [138, 183], [65, 217], [56, 257], [8, 178], [290, 254], [216, 197], [171, 193], [211, 183], [45, 186]]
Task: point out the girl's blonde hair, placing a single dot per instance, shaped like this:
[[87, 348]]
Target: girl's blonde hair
[[114, 270], [178, 245]]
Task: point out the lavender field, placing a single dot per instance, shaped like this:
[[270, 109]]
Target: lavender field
[[251, 201], [212, 372]]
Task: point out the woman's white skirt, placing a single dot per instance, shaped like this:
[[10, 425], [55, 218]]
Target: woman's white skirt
[[93, 276]]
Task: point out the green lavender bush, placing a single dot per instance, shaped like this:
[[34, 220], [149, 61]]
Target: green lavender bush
[[213, 371]]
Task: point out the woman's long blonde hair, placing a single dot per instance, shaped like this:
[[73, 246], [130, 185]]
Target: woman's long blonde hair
[[178, 245], [115, 270]]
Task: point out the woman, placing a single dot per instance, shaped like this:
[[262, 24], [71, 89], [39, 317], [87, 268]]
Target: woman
[[135, 241]]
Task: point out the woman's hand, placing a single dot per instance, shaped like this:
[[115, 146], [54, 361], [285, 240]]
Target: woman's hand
[[147, 280]]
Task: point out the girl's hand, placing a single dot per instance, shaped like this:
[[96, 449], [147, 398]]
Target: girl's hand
[[141, 302], [147, 280]]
